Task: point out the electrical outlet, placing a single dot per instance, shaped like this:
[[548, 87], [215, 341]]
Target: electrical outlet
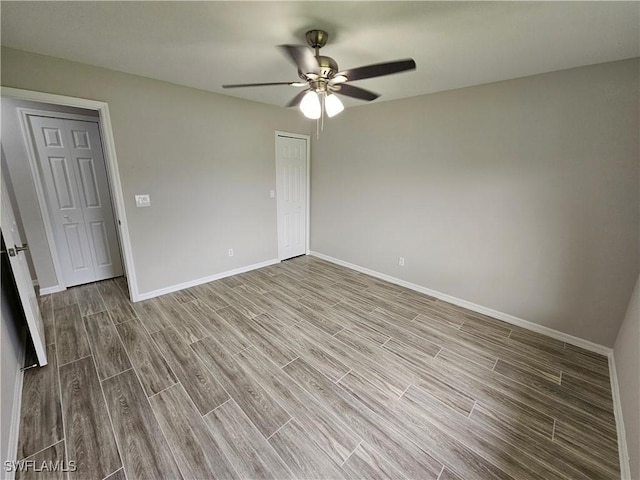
[[401, 261], [231, 252]]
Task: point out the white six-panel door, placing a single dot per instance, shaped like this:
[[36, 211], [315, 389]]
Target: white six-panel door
[[74, 175], [291, 185], [14, 249]]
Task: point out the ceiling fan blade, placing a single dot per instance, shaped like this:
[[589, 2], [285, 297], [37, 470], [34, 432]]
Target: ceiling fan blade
[[356, 92], [240, 85], [303, 57], [295, 101], [379, 69]]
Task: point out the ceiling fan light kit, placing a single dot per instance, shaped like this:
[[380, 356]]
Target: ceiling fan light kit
[[323, 79]]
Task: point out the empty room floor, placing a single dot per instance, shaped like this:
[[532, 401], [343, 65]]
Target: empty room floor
[[308, 370]]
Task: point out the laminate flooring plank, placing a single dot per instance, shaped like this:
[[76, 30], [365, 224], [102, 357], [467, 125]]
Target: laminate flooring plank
[[145, 452], [325, 429], [116, 301], [117, 475], [278, 309], [151, 315], [419, 372], [230, 282], [71, 338], [182, 296], [89, 438], [258, 332], [40, 413], [147, 361], [448, 337], [585, 389], [483, 443], [46, 310], [357, 321], [316, 353], [366, 358], [588, 404], [256, 283], [503, 349], [239, 302], [322, 294], [366, 463], [303, 458], [311, 316], [448, 475], [588, 444], [284, 284], [89, 299], [200, 384], [267, 415], [185, 324], [392, 306], [122, 284], [405, 333], [483, 330], [423, 430], [217, 326], [247, 450], [64, 298], [54, 454], [108, 351], [207, 293], [195, 450], [471, 377], [565, 462], [551, 405], [411, 460]]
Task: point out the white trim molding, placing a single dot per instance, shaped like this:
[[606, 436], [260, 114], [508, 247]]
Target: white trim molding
[[207, 279], [111, 161], [623, 449], [12, 450], [534, 327]]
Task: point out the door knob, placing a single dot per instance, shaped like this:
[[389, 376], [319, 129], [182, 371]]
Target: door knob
[[21, 248]]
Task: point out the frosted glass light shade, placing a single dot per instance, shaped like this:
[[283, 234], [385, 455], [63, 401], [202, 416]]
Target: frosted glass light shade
[[310, 105], [333, 105]]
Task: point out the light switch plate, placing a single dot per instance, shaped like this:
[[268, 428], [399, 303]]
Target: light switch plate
[[143, 201], [272, 193]]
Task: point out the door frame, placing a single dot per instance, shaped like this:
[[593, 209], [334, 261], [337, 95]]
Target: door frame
[[111, 164], [300, 136]]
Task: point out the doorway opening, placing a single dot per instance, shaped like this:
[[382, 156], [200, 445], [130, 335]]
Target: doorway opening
[[86, 194]]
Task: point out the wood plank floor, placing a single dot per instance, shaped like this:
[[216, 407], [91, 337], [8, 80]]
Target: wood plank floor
[[306, 369]]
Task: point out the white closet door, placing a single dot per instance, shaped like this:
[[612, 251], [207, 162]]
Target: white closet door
[[291, 184], [75, 183]]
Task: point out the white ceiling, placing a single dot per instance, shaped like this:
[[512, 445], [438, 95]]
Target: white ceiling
[[205, 44]]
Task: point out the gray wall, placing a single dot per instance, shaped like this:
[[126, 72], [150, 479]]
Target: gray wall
[[207, 160], [521, 196], [627, 359], [11, 358], [20, 180]]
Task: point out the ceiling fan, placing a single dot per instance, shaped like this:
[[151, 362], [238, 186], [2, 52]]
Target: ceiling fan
[[323, 79]]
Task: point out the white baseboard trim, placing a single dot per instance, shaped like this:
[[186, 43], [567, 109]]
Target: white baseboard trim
[[12, 450], [50, 290], [623, 449], [200, 281], [534, 327]]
